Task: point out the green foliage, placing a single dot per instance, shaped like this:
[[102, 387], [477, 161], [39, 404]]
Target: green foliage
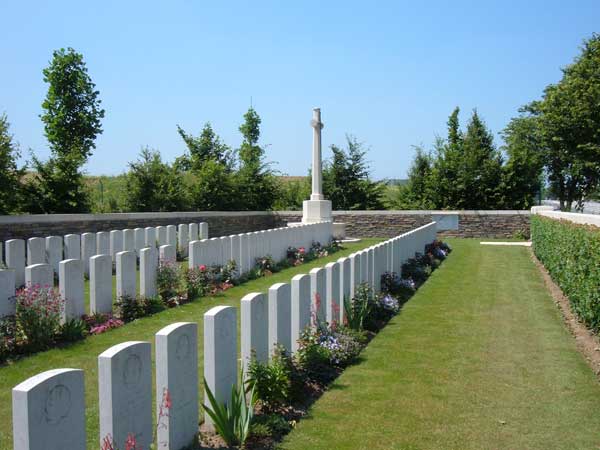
[[38, 314], [291, 194], [271, 381], [206, 147], [256, 183], [346, 179], [571, 253], [128, 308], [232, 421], [72, 330], [10, 175], [359, 308], [267, 425], [153, 185], [72, 121]]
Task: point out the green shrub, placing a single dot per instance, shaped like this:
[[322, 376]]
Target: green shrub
[[232, 421], [128, 308], [358, 309], [38, 313], [571, 253], [272, 380], [72, 330]]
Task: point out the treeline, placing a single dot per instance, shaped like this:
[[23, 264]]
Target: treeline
[[553, 144], [211, 175]]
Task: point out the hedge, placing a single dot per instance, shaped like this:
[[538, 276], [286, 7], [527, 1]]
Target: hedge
[[571, 254]]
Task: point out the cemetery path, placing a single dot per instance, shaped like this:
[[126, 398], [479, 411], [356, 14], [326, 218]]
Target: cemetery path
[[84, 354], [479, 358]]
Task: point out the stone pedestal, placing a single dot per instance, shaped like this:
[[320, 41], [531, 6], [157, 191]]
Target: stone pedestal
[[316, 211]]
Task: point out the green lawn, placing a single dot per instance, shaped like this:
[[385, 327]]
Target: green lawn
[[478, 359], [83, 355]]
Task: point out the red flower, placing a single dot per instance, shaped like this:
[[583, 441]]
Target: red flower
[[130, 443], [202, 268]]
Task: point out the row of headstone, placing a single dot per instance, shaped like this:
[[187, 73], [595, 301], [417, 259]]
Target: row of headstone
[[245, 248], [53, 249], [49, 408]]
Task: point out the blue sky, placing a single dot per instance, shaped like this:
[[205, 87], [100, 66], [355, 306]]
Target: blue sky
[[388, 72]]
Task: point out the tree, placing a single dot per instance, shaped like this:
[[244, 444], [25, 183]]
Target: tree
[[153, 185], [72, 121], [523, 172], [346, 179], [10, 175], [207, 146], [416, 193], [256, 183], [569, 125]]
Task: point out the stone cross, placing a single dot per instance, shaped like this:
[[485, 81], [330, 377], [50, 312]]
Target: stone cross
[[317, 174]]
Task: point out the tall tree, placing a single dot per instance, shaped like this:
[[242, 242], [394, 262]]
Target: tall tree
[[10, 175], [569, 123], [346, 180], [256, 183], [72, 121], [207, 146]]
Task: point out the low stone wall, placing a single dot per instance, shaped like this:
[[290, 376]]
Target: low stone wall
[[219, 223], [477, 224], [468, 224]]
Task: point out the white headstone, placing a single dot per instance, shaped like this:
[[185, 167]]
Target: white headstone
[[345, 280], [7, 292], [300, 307], [72, 246], [126, 274], [36, 251], [220, 353], [54, 251], [182, 238], [161, 235], [88, 249], [203, 230], [48, 411], [167, 254], [39, 275], [254, 328], [172, 235], [102, 243], [70, 285], [116, 243], [193, 231], [139, 236], [15, 259], [333, 297], [150, 236], [148, 268], [318, 293], [234, 247], [280, 316], [128, 240], [125, 393], [101, 284], [177, 377]]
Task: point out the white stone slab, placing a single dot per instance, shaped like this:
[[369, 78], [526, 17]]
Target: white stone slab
[[139, 237], [48, 411], [318, 293], [172, 236], [345, 280], [126, 275], [15, 259], [150, 236], [254, 328], [301, 303], [103, 243], [182, 238], [128, 240], [148, 268], [193, 231], [177, 376], [161, 235], [88, 249], [220, 353], [72, 247], [7, 292], [54, 252], [116, 243], [280, 316], [125, 393], [333, 297], [70, 285], [167, 254], [36, 251], [101, 284], [39, 275], [203, 230]]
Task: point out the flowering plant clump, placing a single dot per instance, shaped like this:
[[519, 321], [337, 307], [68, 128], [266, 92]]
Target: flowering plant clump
[[8, 337], [400, 288], [38, 314], [108, 323], [389, 303], [169, 281], [296, 256], [264, 266]]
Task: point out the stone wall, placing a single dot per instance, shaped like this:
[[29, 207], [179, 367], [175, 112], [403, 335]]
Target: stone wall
[[478, 224], [470, 224], [219, 223]]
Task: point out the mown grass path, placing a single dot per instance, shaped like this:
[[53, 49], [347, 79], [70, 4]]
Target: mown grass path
[[478, 359], [84, 354]]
